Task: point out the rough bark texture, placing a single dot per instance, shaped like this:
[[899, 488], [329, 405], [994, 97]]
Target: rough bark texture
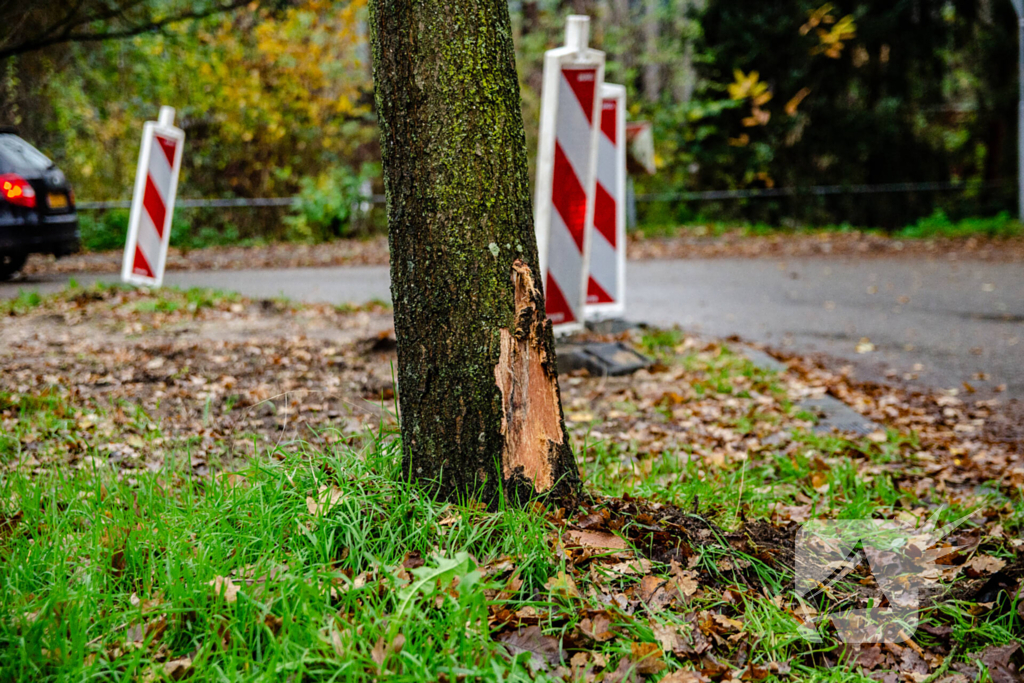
[[478, 389], [652, 69]]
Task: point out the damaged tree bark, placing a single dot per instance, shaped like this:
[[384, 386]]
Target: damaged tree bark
[[478, 388]]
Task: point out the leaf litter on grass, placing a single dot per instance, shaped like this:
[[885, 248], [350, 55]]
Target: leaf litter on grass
[[129, 408]]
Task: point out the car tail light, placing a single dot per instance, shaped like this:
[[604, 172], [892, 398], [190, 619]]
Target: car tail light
[[17, 191], [71, 195]]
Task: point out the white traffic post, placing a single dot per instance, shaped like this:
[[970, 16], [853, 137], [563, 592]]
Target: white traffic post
[[606, 288], [566, 167], [156, 183]]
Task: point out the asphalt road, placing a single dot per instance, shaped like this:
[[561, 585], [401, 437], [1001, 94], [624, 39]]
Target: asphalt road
[[932, 324]]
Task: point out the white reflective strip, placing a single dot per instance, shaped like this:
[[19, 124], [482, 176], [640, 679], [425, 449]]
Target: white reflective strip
[[160, 171], [603, 264], [607, 159], [565, 262], [149, 242], [572, 131]]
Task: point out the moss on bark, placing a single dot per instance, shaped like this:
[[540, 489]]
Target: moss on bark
[[461, 235]]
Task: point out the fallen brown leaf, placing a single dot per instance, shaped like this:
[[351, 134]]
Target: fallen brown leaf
[[177, 669], [274, 623], [597, 539], [986, 564], [224, 587], [382, 650], [325, 499], [545, 651], [562, 584], [684, 676], [598, 626], [648, 657], [656, 592], [9, 524], [624, 672], [685, 580], [998, 660], [727, 624]]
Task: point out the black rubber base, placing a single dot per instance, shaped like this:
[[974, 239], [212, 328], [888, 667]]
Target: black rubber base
[[611, 326], [600, 359]]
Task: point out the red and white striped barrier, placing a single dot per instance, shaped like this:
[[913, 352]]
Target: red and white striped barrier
[[156, 183], [566, 166], [606, 288]]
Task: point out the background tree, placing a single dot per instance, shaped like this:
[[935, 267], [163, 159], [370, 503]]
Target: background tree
[[275, 97], [274, 101], [31, 25], [478, 387], [861, 92]]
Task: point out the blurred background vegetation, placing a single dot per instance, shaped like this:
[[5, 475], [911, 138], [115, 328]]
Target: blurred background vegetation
[[276, 100]]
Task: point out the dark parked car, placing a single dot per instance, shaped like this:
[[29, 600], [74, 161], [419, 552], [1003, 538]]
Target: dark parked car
[[37, 206]]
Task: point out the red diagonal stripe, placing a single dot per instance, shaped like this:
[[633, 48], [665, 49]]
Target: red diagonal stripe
[[555, 305], [568, 197], [167, 145], [141, 265], [596, 293], [154, 206], [609, 111], [582, 82], [604, 214]]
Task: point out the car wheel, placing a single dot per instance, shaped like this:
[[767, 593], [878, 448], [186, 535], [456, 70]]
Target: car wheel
[[11, 264]]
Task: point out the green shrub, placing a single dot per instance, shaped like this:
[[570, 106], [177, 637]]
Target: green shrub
[[187, 236], [107, 230], [328, 205], [939, 225], [102, 231]]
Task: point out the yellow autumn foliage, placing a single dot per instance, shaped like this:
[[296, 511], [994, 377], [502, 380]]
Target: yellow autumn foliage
[[304, 69], [265, 98], [748, 85], [832, 41]]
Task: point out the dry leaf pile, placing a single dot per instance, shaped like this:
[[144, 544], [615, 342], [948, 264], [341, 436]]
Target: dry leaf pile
[[691, 243], [638, 568], [373, 251], [962, 445], [223, 377]]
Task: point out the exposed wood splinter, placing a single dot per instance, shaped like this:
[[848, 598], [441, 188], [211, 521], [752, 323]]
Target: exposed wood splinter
[[530, 419]]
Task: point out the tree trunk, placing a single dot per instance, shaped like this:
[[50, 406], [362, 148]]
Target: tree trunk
[[478, 388], [652, 69], [531, 16]]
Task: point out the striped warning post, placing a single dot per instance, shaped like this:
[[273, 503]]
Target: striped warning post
[[156, 183], [569, 196], [566, 166], [606, 288]]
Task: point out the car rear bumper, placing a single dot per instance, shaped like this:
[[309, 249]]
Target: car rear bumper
[[46, 235]]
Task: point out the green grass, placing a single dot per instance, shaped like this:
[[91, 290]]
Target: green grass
[[98, 560], [937, 225], [171, 299], [718, 228], [21, 304], [103, 574], [372, 305], [110, 577], [162, 300]]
